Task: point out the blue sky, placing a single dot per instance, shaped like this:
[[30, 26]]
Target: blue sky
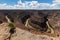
[[12, 2], [34, 4], [41, 1]]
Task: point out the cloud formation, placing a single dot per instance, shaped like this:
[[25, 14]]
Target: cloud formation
[[32, 5]]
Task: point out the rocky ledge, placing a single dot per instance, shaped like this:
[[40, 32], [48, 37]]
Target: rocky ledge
[[21, 34]]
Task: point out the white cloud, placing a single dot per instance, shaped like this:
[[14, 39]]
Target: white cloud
[[56, 1], [32, 5], [56, 4], [4, 6]]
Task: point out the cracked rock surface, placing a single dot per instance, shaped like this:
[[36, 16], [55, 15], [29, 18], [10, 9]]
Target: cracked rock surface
[[21, 34], [4, 31]]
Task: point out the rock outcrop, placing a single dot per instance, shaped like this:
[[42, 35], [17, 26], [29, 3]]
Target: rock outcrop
[[22, 34]]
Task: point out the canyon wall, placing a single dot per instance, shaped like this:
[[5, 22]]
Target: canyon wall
[[21, 15]]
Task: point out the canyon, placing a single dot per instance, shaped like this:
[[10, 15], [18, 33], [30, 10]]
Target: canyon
[[19, 18]]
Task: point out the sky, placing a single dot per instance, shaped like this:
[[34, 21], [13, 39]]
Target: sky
[[30, 4]]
